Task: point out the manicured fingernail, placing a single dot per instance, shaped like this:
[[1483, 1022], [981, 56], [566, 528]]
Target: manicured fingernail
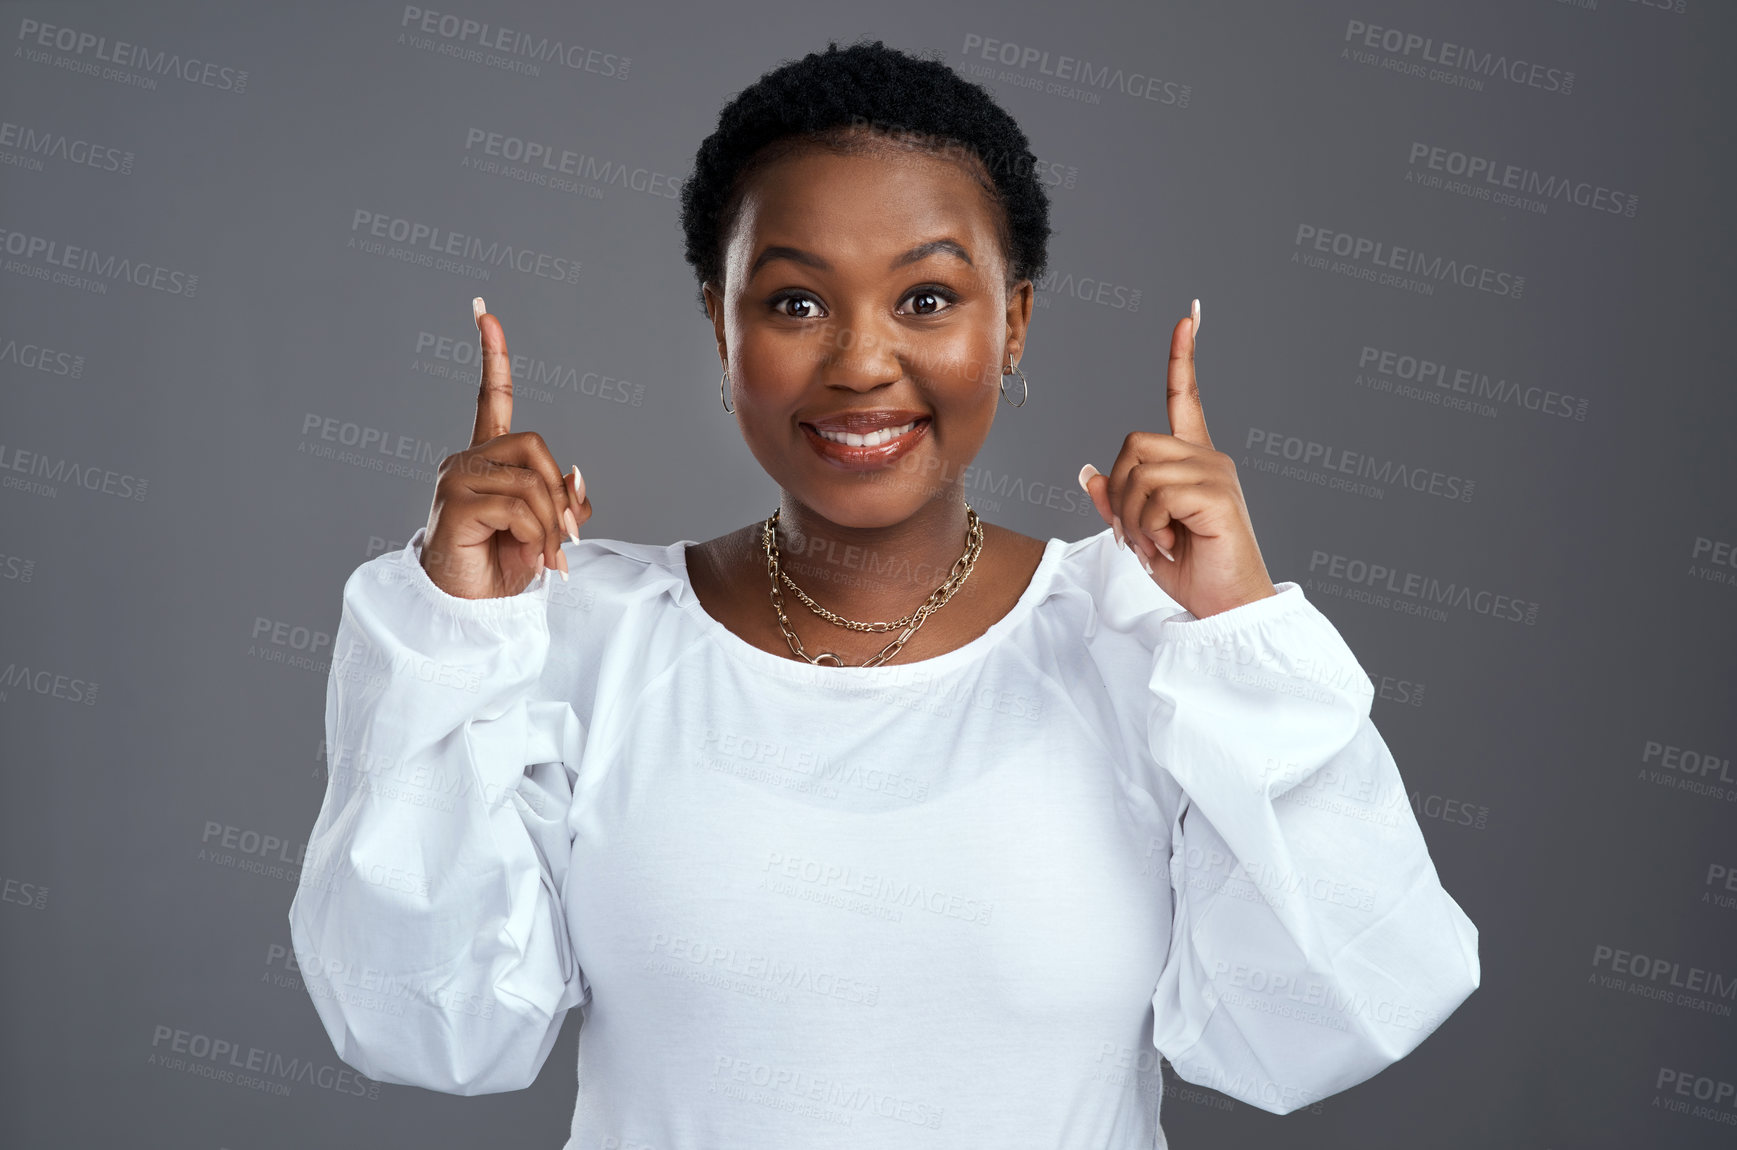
[[572, 523], [562, 556], [1086, 473], [477, 307], [1163, 552], [1121, 538], [578, 484], [1196, 314], [1144, 562]]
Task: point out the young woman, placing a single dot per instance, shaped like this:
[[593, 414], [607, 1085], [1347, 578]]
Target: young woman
[[870, 824]]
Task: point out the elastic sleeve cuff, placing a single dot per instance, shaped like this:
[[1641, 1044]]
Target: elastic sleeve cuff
[[1280, 646], [404, 567], [1185, 627]]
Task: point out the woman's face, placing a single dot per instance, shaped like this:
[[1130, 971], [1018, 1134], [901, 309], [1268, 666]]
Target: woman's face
[[865, 290]]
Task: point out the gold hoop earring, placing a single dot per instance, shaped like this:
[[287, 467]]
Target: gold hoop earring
[[1024, 387], [721, 398]]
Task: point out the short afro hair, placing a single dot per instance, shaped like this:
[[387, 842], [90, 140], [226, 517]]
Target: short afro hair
[[827, 99]]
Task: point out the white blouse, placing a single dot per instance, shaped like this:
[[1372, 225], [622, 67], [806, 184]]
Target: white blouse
[[961, 900]]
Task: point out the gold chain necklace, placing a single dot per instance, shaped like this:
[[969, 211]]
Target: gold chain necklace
[[936, 600]]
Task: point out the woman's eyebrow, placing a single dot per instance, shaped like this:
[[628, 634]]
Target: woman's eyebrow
[[921, 251]]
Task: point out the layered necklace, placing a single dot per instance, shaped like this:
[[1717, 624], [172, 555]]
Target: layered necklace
[[936, 600]]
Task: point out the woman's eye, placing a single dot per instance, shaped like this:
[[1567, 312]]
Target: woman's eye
[[928, 300], [796, 298], [924, 300]]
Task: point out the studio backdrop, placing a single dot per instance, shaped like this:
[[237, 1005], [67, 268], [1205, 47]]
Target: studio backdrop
[[1466, 274]]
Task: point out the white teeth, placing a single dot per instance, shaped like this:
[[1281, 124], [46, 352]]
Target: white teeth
[[872, 439]]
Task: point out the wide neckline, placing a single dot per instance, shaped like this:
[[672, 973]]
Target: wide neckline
[[676, 558]]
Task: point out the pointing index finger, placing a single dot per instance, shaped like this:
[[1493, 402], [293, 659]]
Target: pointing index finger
[[494, 397], [1182, 389]]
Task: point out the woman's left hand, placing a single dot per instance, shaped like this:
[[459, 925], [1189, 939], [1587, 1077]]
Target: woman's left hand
[[1176, 493]]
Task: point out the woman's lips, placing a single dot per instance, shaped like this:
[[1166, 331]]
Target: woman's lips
[[881, 455]]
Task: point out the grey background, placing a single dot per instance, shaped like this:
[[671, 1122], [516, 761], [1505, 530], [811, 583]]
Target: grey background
[[123, 911]]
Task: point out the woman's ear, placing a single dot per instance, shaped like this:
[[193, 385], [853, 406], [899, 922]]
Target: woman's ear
[[714, 299], [1019, 303]]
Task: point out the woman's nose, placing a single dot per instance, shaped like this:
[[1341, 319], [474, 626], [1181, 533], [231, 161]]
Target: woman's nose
[[864, 351]]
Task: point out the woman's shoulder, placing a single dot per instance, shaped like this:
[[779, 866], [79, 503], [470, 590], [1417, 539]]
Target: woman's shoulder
[[596, 548], [1096, 564], [606, 575], [619, 595], [1107, 580], [602, 560]]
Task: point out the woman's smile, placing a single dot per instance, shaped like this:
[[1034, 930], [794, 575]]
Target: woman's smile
[[866, 440]]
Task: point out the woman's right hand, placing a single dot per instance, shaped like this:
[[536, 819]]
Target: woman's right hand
[[501, 507]]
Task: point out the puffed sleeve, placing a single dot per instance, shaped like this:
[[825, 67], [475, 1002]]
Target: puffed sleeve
[[428, 921], [1312, 943]]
